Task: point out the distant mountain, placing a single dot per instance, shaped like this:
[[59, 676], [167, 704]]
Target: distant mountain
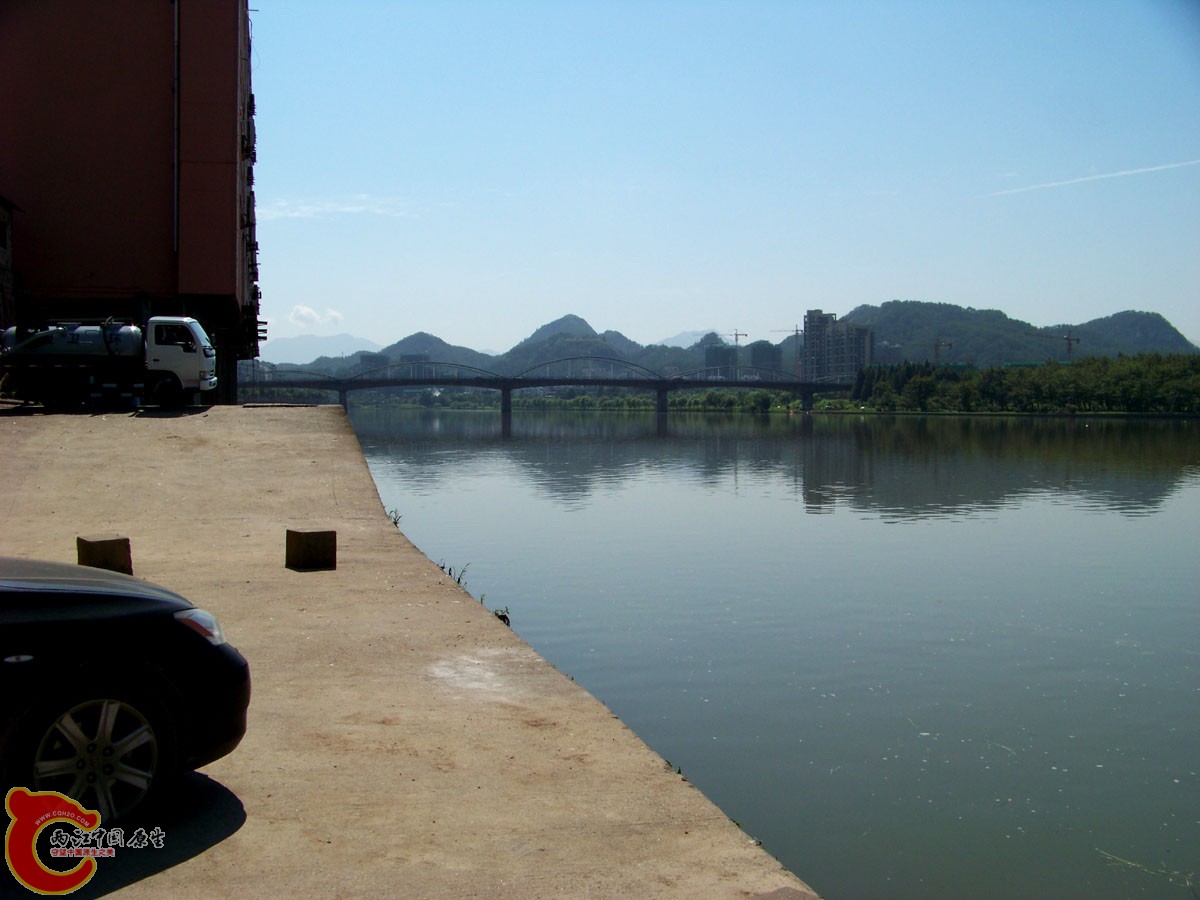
[[1134, 332], [917, 330], [572, 336], [570, 325], [618, 341], [437, 350], [904, 330], [308, 347], [683, 339], [562, 345]]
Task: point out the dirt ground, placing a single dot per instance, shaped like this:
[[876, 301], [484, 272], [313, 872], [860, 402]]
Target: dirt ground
[[402, 742]]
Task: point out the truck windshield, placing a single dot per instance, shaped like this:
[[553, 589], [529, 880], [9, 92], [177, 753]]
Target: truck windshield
[[202, 341]]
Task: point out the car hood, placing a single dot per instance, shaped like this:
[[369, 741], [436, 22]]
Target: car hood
[[32, 577]]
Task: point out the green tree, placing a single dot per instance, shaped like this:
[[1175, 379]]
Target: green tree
[[918, 392], [883, 396]]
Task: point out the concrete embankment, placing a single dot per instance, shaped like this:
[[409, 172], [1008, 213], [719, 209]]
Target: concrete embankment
[[402, 741]]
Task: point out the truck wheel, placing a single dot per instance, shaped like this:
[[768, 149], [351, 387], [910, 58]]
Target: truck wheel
[[168, 393]]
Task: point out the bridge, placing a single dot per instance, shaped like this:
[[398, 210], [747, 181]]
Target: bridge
[[574, 371]]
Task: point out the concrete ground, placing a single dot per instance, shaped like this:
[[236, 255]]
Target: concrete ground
[[402, 741]]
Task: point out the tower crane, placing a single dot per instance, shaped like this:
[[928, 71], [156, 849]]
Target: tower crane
[[1058, 337], [797, 331], [735, 334]]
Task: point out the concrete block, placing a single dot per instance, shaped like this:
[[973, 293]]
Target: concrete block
[[105, 551], [311, 550]]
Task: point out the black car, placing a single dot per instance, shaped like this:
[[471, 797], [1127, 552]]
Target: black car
[[110, 687]]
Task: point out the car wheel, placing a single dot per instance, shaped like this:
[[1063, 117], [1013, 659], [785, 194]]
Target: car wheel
[[107, 754]]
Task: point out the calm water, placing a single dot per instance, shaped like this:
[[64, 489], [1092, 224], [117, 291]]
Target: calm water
[[917, 658]]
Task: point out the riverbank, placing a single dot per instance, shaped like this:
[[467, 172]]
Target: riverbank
[[402, 740]]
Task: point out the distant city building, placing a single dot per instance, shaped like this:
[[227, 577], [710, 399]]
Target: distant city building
[[833, 350], [720, 360], [415, 360], [765, 355]]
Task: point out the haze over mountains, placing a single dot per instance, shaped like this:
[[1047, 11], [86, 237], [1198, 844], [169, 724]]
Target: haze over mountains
[[307, 347], [904, 330]]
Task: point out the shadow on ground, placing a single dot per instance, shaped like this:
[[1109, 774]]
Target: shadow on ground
[[16, 408], [200, 815]]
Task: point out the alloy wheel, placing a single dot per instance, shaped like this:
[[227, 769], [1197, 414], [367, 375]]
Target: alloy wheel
[[101, 753]]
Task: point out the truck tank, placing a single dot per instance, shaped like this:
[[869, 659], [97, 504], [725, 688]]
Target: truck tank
[[77, 340]]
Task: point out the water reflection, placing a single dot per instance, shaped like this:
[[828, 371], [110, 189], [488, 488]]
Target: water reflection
[[973, 675], [902, 468]]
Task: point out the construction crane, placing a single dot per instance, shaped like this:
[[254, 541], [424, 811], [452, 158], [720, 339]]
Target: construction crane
[[797, 331], [1058, 337], [735, 334], [732, 369]]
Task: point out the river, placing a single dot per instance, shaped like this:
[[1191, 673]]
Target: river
[[915, 657]]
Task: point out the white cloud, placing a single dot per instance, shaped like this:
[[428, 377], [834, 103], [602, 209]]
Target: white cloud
[[1122, 174], [306, 317], [354, 205]]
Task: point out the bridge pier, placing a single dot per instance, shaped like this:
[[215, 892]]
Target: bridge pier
[[506, 412], [344, 399], [660, 408]]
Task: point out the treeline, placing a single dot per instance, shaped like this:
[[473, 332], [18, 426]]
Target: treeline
[[1144, 384], [712, 400], [617, 399], [604, 399], [1147, 383]]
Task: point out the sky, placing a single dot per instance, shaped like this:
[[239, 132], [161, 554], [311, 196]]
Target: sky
[[477, 169]]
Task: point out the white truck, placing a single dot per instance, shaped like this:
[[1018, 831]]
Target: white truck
[[163, 362]]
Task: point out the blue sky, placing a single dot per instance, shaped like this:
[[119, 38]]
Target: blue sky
[[477, 169]]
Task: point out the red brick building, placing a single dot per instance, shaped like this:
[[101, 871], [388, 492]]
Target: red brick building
[[127, 157]]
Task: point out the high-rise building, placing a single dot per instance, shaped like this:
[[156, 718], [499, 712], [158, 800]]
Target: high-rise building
[[127, 153], [765, 355], [835, 351], [720, 360]]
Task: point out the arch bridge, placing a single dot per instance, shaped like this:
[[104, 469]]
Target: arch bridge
[[573, 371]]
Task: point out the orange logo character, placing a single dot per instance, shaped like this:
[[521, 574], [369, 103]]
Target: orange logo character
[[31, 811]]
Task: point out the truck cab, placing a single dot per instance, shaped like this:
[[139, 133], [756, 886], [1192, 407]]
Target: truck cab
[[179, 357]]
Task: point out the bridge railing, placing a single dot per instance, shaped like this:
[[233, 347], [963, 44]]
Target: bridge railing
[[576, 368], [739, 374], [403, 369], [600, 367]]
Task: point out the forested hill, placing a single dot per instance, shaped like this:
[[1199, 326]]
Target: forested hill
[[912, 331], [917, 331]]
